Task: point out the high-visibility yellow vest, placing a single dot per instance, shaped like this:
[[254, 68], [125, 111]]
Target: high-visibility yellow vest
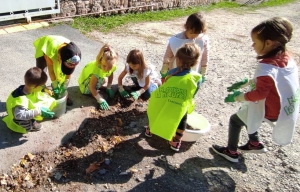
[[170, 102], [92, 69], [30, 101], [49, 46]]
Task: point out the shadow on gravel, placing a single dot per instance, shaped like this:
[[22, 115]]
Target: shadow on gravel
[[221, 162], [192, 176], [9, 138]]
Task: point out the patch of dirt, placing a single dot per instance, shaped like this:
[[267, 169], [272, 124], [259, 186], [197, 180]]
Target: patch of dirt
[[111, 153]]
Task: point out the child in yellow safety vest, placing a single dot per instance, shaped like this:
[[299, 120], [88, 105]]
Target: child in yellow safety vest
[[27, 104], [169, 104], [94, 75]]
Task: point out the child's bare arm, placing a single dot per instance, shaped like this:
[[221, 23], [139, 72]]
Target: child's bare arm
[[121, 76], [147, 83], [50, 68], [110, 80], [93, 83], [168, 58]]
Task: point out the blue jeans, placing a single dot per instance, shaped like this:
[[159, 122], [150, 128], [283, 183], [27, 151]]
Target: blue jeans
[[147, 93]]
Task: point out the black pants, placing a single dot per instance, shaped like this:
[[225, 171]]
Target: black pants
[[235, 127], [182, 124], [41, 63]]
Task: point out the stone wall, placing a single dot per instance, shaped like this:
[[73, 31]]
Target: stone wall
[[70, 8]]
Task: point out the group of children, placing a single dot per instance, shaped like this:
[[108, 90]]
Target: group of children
[[273, 95]]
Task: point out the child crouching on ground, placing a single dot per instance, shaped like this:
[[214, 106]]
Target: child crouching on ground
[[170, 103], [143, 76], [94, 75], [27, 104]]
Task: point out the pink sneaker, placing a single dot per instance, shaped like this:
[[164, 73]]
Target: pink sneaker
[[147, 132], [175, 145]]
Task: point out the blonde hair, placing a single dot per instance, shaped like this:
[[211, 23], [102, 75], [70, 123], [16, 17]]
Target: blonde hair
[[107, 54]]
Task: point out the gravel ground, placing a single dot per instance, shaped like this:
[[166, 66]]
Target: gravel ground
[[232, 58], [139, 164]]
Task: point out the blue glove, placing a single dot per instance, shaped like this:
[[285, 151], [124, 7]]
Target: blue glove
[[135, 95], [110, 93], [230, 97], [237, 85], [46, 113], [103, 105]]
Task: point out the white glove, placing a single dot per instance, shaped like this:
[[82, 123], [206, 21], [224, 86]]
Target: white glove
[[240, 97]]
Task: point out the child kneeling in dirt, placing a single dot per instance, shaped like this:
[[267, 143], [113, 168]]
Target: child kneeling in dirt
[[94, 75], [144, 77], [170, 103], [27, 104]]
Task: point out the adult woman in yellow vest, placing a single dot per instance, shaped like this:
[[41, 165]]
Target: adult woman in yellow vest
[[61, 56], [170, 103]]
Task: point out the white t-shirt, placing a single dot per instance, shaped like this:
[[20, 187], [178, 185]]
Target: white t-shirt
[[150, 70]]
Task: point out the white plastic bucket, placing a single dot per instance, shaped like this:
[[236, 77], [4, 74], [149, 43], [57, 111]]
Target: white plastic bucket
[[61, 105], [199, 124]]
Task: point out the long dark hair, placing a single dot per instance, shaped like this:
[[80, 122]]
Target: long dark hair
[[136, 57]]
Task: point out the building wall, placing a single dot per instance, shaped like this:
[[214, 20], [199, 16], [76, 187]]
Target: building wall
[[107, 7]]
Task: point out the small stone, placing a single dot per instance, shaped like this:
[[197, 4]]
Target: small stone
[[107, 161], [171, 167], [139, 179], [102, 171], [124, 173], [57, 175]]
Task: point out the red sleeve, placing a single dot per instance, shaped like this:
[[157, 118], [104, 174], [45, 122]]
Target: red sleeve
[[263, 86]]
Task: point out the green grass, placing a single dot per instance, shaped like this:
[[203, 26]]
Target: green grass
[[108, 23]]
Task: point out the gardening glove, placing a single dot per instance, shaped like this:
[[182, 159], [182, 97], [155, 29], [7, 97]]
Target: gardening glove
[[56, 92], [136, 94], [203, 72], [110, 93], [164, 70], [102, 103], [55, 89], [46, 113], [123, 93], [62, 89], [48, 91], [231, 97], [238, 85], [54, 84]]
